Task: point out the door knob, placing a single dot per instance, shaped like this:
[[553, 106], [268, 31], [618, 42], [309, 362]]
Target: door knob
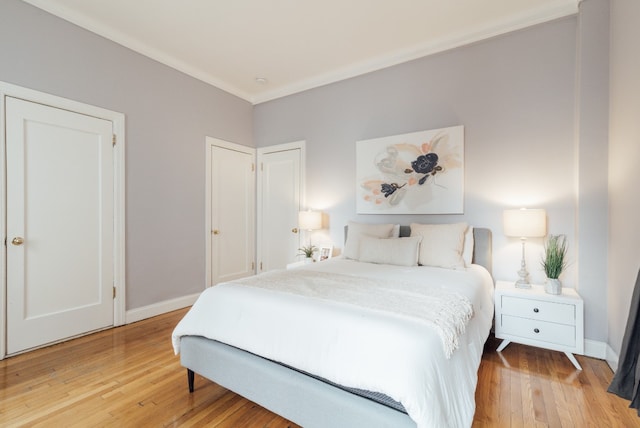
[[216, 232], [294, 230], [17, 240]]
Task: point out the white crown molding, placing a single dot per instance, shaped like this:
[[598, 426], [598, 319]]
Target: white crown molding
[[457, 40], [135, 45], [560, 9]]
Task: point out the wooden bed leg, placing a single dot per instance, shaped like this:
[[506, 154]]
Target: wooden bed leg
[[190, 377]]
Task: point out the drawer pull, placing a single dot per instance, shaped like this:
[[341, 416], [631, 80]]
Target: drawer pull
[[536, 330], [536, 310]]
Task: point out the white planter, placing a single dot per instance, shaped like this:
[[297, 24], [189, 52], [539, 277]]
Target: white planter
[[553, 286]]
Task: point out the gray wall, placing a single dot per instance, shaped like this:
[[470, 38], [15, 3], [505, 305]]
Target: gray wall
[[624, 175], [592, 129], [516, 96], [168, 115]]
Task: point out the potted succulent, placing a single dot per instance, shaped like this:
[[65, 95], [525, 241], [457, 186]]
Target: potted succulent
[[308, 251], [554, 261]]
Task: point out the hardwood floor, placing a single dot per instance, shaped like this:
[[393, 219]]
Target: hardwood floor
[[525, 386], [129, 377]]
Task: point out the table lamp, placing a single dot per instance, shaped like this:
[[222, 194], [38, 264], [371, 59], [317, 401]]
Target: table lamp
[[310, 220], [524, 223]]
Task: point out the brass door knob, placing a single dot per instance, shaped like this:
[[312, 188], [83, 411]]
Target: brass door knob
[[17, 240], [294, 230], [216, 232]]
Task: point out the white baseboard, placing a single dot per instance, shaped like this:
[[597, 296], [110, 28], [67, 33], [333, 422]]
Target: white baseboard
[[160, 308], [595, 349], [602, 351], [612, 358]]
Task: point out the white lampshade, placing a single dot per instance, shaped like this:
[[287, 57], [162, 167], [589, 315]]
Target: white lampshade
[[310, 220], [525, 223]]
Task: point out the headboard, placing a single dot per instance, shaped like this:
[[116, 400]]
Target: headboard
[[482, 246]]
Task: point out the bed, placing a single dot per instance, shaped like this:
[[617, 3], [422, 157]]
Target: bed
[[327, 362]]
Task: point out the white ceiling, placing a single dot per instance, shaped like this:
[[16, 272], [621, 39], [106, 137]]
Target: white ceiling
[[296, 44]]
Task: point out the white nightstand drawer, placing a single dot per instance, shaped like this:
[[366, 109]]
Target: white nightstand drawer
[[558, 334], [539, 310]]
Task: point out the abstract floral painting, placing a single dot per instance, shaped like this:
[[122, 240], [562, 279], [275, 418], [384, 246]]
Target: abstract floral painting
[[416, 173]]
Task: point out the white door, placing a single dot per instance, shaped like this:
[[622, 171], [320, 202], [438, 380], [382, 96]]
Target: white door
[[280, 202], [60, 266], [232, 185]]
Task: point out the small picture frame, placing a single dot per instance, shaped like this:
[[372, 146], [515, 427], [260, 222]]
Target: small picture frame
[[325, 252]]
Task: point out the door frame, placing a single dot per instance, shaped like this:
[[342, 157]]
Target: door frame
[[118, 120], [211, 142], [296, 145]]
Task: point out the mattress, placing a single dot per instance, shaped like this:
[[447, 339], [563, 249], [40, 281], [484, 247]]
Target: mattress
[[377, 397], [361, 347]]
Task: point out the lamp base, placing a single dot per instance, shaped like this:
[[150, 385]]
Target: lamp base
[[523, 282]]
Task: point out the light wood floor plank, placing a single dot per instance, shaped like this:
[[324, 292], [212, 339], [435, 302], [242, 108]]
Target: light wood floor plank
[[129, 377]]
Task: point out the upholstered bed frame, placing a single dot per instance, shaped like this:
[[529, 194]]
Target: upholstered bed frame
[[303, 399]]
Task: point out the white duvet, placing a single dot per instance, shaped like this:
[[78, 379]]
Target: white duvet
[[356, 346]]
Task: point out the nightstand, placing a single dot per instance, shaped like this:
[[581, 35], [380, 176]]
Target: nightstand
[[530, 316]]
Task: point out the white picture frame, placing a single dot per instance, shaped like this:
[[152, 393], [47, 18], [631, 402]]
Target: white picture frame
[[325, 252]]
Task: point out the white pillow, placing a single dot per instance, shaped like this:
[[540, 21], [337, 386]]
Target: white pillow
[[441, 245], [390, 251], [356, 231], [467, 251]]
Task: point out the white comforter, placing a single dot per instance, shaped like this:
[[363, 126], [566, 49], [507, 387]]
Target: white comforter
[[357, 346]]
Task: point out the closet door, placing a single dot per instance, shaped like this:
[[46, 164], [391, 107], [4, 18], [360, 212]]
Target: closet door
[[60, 224], [280, 199], [231, 217]]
